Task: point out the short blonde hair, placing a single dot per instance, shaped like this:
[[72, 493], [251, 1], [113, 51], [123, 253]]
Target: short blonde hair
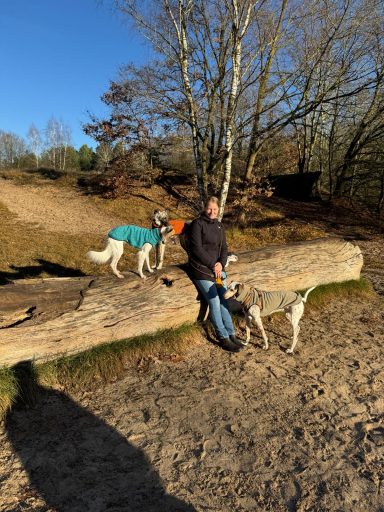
[[212, 199]]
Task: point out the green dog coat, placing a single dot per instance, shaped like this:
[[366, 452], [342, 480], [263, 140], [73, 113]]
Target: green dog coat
[[135, 235]]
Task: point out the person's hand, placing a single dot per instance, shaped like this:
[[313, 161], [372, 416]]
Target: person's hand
[[217, 269]]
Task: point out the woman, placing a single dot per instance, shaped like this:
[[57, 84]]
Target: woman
[[207, 258]]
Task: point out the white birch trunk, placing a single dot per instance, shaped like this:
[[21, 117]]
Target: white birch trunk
[[181, 32], [237, 35]]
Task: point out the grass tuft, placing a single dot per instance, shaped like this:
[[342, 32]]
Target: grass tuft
[[8, 389], [322, 294]]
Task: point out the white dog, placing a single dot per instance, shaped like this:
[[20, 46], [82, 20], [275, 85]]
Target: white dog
[[141, 238], [258, 303]]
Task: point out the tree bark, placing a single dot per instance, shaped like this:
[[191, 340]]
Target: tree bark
[[45, 318], [239, 30]]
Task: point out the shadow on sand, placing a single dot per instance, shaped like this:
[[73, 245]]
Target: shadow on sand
[[75, 461], [33, 271]]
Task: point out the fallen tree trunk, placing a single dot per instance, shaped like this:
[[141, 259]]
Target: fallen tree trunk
[[68, 315]]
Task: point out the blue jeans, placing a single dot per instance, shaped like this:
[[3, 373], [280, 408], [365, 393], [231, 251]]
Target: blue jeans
[[218, 310]]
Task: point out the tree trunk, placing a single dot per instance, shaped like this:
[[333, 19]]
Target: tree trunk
[[254, 144], [241, 19], [45, 318], [180, 27]]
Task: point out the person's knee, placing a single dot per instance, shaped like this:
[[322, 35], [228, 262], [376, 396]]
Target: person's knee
[[212, 293]]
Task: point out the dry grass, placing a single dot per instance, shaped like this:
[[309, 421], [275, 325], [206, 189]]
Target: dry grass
[[323, 294], [60, 254], [42, 253], [285, 232], [8, 390]]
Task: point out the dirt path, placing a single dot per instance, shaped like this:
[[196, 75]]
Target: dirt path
[[55, 209], [212, 431]]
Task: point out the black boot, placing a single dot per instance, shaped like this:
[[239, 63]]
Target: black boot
[[236, 341], [227, 344]]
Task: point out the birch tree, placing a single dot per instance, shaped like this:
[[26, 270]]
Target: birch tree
[[241, 17], [12, 147], [198, 82], [35, 143], [58, 139]]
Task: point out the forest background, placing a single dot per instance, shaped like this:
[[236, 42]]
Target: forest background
[[236, 92]]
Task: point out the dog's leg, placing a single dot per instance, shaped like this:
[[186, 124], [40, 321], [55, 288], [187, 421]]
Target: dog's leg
[[143, 256], [160, 256], [140, 262], [255, 312], [117, 247], [147, 249], [248, 324], [294, 315], [157, 255]]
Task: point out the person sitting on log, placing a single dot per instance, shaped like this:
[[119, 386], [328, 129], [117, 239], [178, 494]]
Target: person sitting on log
[[207, 257]]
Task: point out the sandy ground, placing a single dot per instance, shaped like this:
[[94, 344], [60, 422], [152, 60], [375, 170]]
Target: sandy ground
[[54, 209], [214, 431]]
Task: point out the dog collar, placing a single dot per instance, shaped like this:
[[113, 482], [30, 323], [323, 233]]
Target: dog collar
[[244, 296]]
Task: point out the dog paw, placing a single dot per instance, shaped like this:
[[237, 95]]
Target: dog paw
[[120, 276], [289, 351], [150, 271]]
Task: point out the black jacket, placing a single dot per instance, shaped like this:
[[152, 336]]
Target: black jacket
[[208, 245]]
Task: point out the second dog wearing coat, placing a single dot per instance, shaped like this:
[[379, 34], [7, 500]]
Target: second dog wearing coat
[[141, 238], [258, 303]]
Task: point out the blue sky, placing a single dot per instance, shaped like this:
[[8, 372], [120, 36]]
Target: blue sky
[[58, 57]]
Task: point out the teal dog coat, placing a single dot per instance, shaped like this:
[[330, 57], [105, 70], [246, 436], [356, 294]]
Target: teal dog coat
[[136, 236]]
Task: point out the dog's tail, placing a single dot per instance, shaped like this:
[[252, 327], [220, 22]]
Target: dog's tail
[[307, 293], [100, 257]]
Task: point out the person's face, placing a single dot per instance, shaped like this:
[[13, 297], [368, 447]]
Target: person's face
[[212, 210]]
